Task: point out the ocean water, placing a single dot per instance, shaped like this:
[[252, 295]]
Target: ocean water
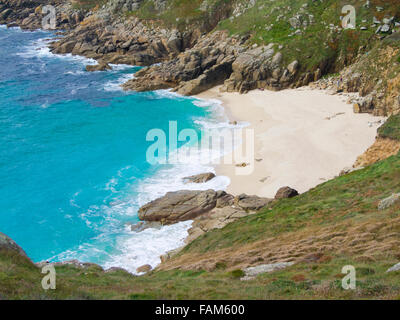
[[73, 167]]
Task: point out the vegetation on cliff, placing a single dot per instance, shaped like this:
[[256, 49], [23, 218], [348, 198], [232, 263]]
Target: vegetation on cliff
[[333, 225]]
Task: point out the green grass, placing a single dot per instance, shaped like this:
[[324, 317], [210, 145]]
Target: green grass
[[391, 128], [184, 14], [301, 281], [351, 197]]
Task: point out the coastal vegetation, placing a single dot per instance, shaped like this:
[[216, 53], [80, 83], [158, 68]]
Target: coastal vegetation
[[335, 224]]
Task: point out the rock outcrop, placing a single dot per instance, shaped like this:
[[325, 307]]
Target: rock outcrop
[[218, 59], [120, 40], [29, 14], [189, 204], [199, 178], [205, 65], [7, 244], [260, 68], [209, 209], [286, 192], [180, 206]]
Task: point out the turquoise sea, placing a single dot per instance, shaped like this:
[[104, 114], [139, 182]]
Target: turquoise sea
[[73, 167]]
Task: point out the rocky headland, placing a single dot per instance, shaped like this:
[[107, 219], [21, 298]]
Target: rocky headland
[[195, 56]]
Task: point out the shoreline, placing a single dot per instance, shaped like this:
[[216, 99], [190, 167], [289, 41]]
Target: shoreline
[[303, 137], [232, 104]]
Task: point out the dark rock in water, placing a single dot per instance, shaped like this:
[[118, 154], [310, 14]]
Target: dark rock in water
[[286, 192], [179, 206], [251, 203], [144, 269], [6, 243], [199, 178], [102, 66]]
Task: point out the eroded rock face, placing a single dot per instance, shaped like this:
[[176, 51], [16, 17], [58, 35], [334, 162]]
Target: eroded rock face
[[179, 206], [6, 243], [209, 209], [260, 68], [215, 219], [115, 38], [190, 204], [28, 14], [251, 203], [205, 65]]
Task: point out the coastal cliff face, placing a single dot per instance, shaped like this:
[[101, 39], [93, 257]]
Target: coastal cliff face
[[192, 46]]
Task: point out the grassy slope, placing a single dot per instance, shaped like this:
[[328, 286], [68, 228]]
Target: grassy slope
[[349, 200]]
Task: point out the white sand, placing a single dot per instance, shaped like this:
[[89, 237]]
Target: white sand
[[298, 145]]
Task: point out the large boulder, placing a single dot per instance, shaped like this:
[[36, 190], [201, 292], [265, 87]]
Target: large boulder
[[286, 192], [179, 206], [7, 244]]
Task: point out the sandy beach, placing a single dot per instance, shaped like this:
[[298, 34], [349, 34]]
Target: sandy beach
[[303, 137]]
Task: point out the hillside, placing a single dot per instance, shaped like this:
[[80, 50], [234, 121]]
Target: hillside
[[335, 224], [192, 45]]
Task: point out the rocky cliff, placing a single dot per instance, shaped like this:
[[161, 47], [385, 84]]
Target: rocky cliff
[[192, 46]]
